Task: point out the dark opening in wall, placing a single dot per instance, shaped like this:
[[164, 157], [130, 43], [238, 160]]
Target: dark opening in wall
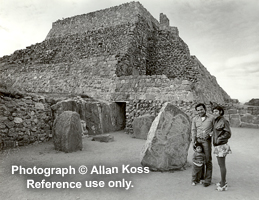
[[122, 111]]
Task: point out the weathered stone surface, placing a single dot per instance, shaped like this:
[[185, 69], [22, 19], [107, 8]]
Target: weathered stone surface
[[18, 120], [232, 111], [112, 116], [247, 125], [103, 138], [235, 121], [67, 132], [99, 117], [168, 140], [141, 126], [256, 120], [253, 102], [39, 106], [84, 130], [247, 118], [1, 143]]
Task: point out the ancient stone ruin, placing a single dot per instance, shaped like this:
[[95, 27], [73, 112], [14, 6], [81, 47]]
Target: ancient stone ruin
[[120, 62]]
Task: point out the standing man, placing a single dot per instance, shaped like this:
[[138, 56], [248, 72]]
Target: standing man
[[202, 130]]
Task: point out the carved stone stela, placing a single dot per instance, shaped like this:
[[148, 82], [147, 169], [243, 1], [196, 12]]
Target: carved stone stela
[[67, 132], [168, 140]]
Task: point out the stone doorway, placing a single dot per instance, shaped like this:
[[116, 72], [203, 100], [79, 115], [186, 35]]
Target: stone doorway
[[122, 114]]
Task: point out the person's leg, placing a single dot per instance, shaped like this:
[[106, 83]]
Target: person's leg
[[194, 173], [208, 173], [199, 174], [203, 171], [223, 170]]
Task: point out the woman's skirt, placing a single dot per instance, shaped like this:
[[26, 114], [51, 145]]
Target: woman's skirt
[[222, 150]]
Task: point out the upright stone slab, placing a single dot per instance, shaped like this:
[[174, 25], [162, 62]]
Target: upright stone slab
[[67, 132], [168, 140], [141, 126]]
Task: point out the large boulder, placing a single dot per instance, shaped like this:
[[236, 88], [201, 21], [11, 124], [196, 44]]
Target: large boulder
[[141, 126], [67, 132], [168, 140]]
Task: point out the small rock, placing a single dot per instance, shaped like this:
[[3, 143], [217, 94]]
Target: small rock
[[18, 120], [103, 138], [39, 106]]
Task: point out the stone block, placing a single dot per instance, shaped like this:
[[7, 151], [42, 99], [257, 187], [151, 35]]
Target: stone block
[[39, 106], [242, 111], [232, 111], [247, 118], [18, 120], [9, 124], [234, 122], [67, 132], [2, 126], [103, 138], [256, 120], [8, 144], [168, 140], [141, 126], [247, 125], [190, 97]]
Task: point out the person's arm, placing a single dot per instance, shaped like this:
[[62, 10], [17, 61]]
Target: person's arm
[[204, 159], [193, 157], [226, 133], [212, 123], [194, 131]]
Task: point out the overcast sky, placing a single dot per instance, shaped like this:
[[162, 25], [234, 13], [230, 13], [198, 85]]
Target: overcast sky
[[222, 34]]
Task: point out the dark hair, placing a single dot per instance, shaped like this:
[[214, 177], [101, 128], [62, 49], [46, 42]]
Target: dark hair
[[220, 109], [197, 144], [200, 104]]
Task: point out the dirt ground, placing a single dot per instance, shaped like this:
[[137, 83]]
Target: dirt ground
[[242, 174]]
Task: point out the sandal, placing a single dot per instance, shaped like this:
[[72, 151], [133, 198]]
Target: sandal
[[224, 188], [218, 184]]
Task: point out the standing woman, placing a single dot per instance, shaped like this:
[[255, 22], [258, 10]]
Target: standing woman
[[221, 134]]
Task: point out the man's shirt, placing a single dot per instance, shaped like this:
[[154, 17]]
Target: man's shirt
[[202, 128]]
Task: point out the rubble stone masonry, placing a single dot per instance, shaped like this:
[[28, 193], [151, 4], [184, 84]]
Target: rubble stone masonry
[[24, 120]]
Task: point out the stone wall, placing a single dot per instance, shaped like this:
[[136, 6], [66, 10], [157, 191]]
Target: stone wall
[[236, 114], [156, 87], [136, 108], [24, 120], [29, 118], [103, 42], [206, 88], [110, 17], [85, 76], [243, 116], [160, 87]]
